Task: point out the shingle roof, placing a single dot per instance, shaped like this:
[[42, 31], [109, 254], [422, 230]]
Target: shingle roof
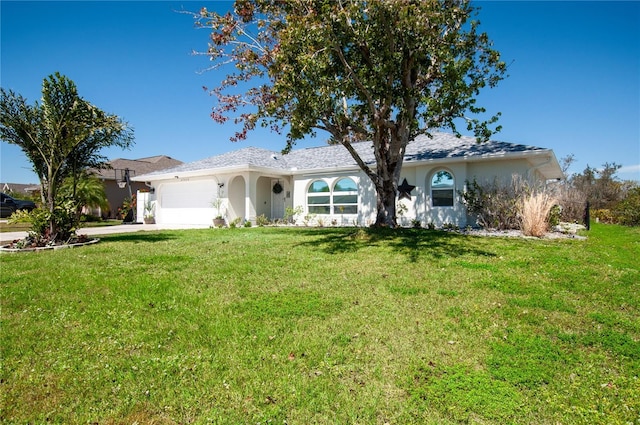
[[250, 156], [19, 187], [138, 166], [423, 148], [443, 145]]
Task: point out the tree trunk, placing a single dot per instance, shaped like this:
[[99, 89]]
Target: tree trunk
[[386, 204], [51, 189], [389, 165]]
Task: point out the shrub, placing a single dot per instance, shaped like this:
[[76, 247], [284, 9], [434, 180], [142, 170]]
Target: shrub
[[554, 215], [534, 210], [515, 205], [494, 204], [572, 203], [64, 217], [603, 215], [627, 211]]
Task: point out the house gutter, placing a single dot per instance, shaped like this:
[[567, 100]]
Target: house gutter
[[207, 172]]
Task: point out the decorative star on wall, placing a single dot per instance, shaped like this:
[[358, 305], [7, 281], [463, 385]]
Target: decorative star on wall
[[404, 190]]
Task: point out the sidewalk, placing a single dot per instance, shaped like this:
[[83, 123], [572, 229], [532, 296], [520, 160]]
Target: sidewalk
[[6, 237]]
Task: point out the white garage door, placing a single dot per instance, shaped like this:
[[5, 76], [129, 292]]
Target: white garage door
[[186, 202]]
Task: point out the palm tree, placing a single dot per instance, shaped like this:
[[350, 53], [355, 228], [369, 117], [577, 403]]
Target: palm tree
[[60, 137], [86, 190]]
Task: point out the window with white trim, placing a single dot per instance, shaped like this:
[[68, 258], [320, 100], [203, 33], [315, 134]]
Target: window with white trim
[[442, 189], [343, 199], [319, 198]]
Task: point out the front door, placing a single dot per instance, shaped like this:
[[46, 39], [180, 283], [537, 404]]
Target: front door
[[277, 200]]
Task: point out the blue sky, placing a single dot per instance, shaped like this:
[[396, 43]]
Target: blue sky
[[573, 85]]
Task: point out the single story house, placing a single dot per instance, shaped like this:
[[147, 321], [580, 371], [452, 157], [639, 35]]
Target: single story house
[[327, 185]]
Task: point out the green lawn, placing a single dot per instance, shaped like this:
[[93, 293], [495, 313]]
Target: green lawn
[[325, 326]]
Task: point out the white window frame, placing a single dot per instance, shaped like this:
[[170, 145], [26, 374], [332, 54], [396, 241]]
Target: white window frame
[[332, 207], [309, 195], [452, 189]]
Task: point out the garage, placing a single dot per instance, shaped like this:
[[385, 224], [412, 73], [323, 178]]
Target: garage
[[186, 201]]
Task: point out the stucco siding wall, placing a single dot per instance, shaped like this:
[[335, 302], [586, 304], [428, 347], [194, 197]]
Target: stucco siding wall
[[421, 207], [486, 172]]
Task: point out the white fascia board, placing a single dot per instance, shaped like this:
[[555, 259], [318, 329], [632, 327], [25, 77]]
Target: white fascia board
[[207, 172], [323, 171]]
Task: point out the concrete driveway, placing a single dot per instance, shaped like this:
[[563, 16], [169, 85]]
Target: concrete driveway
[[6, 237]]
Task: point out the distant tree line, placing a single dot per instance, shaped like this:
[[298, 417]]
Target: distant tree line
[[610, 199]]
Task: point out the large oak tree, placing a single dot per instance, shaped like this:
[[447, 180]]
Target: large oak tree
[[61, 137], [376, 71]]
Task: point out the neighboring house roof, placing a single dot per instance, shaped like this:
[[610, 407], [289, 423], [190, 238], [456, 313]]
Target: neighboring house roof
[[19, 187], [441, 147], [137, 166]]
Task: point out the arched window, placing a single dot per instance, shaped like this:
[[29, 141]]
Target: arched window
[[345, 197], [319, 198], [442, 187]]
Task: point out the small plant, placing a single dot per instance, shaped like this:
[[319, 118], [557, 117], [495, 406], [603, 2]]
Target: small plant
[[334, 222], [307, 219], [235, 222], [218, 203], [450, 227], [431, 226], [320, 222], [416, 224], [401, 209], [247, 223], [128, 205], [149, 208], [262, 220], [290, 214]]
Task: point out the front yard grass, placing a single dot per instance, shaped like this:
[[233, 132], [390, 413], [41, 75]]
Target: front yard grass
[[334, 325]]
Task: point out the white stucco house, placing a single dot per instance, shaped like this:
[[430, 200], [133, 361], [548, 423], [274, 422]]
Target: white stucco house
[[328, 185]]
